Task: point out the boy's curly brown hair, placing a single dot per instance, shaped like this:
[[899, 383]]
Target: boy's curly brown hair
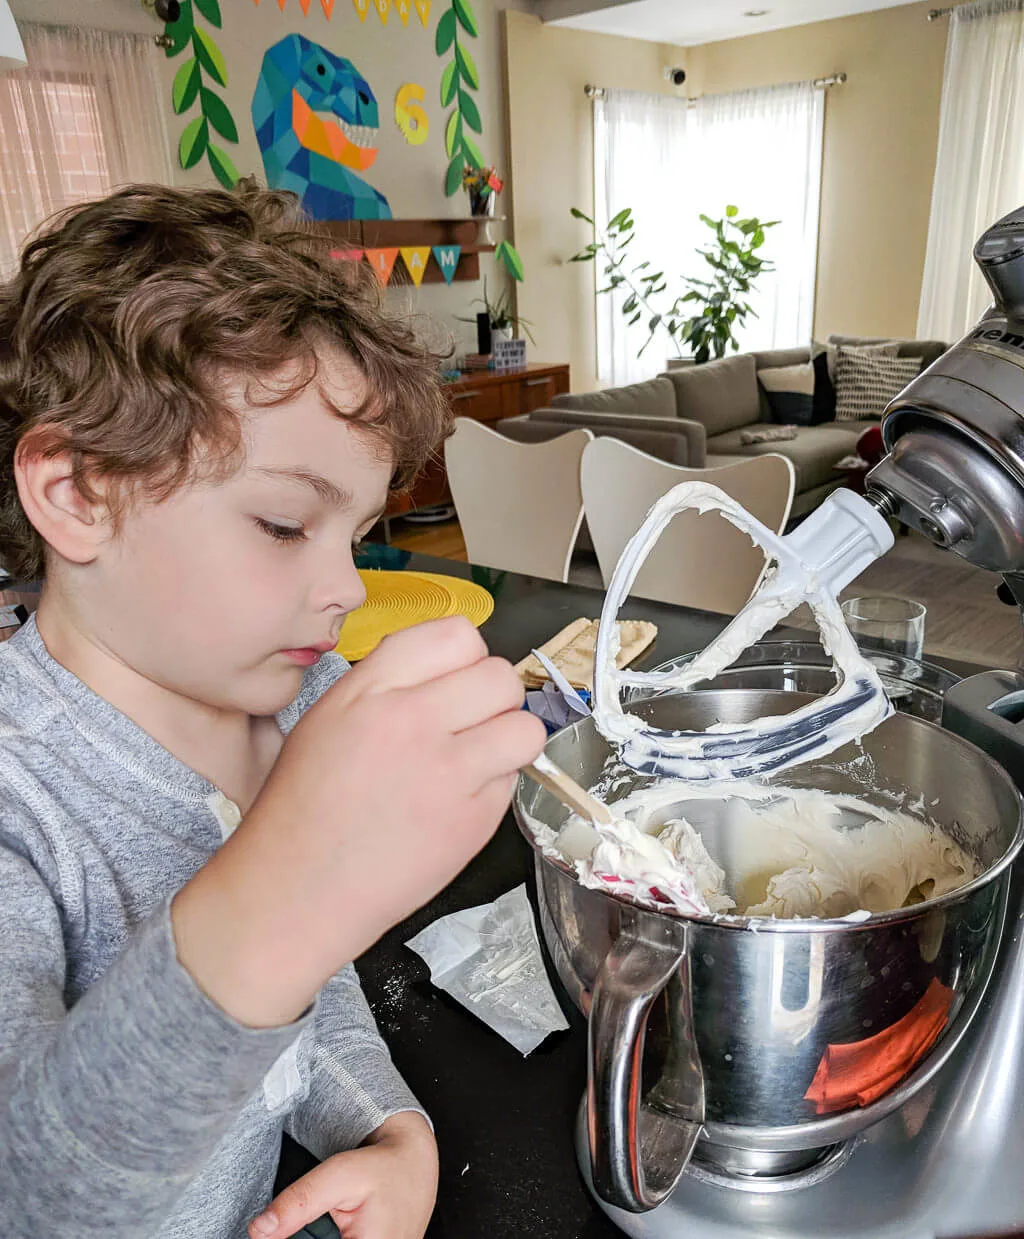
[[127, 314]]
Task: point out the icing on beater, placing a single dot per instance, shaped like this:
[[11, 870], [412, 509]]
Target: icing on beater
[[823, 554]]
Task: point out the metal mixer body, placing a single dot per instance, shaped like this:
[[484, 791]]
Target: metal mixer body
[[955, 434]]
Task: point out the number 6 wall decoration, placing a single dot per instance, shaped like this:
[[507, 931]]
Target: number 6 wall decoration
[[409, 116]]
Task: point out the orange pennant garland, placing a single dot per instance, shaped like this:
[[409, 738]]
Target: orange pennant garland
[[353, 255], [304, 5], [383, 262], [415, 258]]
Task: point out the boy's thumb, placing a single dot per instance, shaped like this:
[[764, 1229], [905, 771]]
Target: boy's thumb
[[300, 1203]]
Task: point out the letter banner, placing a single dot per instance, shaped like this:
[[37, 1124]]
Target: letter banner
[[383, 261], [415, 258], [347, 255], [447, 258]]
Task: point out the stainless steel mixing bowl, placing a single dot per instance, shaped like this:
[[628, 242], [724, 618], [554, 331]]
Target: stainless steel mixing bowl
[[716, 1028], [914, 687]]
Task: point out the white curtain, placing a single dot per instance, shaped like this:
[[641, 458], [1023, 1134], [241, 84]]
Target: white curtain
[[759, 150], [83, 116], [979, 170]]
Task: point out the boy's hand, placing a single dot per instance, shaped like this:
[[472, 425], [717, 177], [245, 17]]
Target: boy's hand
[[383, 1190], [382, 793]]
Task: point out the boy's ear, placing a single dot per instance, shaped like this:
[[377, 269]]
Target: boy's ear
[[72, 524]]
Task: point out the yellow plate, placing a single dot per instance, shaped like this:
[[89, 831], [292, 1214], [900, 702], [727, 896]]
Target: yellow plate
[[396, 600], [469, 599]]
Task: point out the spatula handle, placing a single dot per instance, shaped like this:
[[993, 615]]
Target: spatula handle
[[547, 774]]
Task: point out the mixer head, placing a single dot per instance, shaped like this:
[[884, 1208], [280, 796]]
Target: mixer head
[[955, 468]]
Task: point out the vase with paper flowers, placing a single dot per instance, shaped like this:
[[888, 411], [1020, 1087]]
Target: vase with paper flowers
[[483, 186]]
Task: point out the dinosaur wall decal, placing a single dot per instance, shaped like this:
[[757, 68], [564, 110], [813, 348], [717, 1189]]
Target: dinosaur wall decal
[[316, 123]]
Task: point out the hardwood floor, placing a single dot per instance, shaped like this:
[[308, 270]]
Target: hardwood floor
[[443, 539]]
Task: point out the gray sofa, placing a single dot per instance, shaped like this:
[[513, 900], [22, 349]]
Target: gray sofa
[[695, 416]]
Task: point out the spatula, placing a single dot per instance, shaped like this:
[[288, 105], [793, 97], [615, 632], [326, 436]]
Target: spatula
[[568, 791]]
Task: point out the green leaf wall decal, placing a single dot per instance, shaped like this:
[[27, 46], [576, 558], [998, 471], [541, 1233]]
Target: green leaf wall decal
[[470, 112], [216, 112], [466, 67], [222, 166], [458, 79], [210, 9], [467, 18], [188, 87], [210, 57], [446, 32], [194, 139]]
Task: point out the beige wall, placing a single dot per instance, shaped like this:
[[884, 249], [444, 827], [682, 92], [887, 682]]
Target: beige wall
[[550, 147], [881, 130], [410, 176]]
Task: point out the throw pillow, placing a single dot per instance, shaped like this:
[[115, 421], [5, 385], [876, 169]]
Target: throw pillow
[[865, 383], [790, 392], [884, 348], [767, 434], [824, 407]]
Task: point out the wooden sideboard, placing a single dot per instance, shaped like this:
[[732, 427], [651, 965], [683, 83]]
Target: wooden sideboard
[[485, 397]]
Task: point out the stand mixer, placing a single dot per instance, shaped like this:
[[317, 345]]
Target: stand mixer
[[939, 1154]]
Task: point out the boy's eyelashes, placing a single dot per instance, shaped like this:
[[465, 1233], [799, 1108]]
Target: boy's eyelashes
[[295, 533], [281, 533]]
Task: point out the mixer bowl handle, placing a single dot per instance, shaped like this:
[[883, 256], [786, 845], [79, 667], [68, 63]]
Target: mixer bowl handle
[[638, 1152]]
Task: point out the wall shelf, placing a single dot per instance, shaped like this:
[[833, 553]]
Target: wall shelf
[[382, 233]]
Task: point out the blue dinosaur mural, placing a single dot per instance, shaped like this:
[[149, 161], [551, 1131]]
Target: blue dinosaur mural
[[316, 122]]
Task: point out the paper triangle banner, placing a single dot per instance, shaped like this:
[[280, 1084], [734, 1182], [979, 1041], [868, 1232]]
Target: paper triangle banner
[[362, 8], [402, 7], [383, 262], [415, 258], [281, 4], [347, 255], [447, 258], [423, 8], [328, 8], [304, 5], [383, 7]]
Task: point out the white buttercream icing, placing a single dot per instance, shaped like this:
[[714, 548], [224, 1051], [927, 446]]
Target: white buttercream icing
[[762, 851]]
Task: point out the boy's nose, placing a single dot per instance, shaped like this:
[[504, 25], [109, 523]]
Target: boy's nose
[[344, 589]]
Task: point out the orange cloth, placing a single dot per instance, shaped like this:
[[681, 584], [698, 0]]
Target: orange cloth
[[858, 1073]]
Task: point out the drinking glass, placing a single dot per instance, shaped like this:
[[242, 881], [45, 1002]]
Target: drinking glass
[[881, 622]]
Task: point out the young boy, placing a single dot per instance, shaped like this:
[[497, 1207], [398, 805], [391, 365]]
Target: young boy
[[201, 824]]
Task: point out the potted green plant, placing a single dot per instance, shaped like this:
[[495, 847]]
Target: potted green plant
[[704, 317], [504, 323]]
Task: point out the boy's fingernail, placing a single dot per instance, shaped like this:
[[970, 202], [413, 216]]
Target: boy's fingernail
[[265, 1224]]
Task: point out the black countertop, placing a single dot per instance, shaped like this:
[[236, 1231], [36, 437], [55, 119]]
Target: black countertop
[[504, 1123]]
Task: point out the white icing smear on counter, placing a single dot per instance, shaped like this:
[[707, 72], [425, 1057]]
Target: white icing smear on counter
[[761, 851]]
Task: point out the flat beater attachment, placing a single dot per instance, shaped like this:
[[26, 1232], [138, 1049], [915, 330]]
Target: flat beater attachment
[[828, 550]]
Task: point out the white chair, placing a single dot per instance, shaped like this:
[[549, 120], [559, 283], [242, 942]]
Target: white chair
[[519, 504], [699, 561]]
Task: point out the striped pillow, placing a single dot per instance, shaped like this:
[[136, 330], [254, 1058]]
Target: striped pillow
[[884, 348], [866, 382]]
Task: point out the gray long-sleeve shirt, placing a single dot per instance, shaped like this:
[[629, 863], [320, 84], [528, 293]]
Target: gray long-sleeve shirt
[[130, 1104]]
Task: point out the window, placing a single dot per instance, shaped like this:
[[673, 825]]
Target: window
[[83, 116]]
